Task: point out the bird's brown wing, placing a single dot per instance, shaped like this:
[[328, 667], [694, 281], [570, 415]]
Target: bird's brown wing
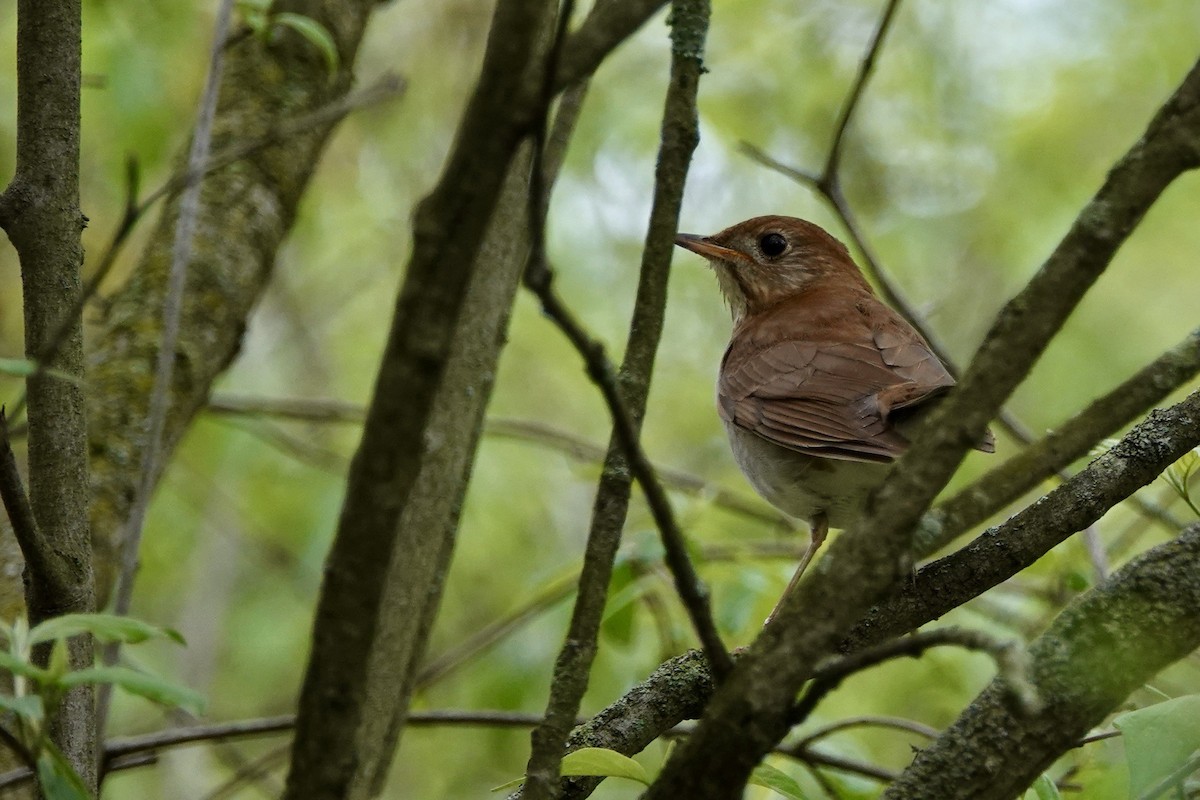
[[831, 399]]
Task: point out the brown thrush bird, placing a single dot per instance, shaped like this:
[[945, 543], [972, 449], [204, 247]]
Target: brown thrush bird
[[820, 380]]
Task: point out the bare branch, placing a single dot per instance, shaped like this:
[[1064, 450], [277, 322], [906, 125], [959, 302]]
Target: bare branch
[[1008, 656], [829, 176], [1069, 442], [896, 723], [558, 439], [626, 403], [160, 395], [1098, 651], [39, 557], [1006, 549], [869, 559]]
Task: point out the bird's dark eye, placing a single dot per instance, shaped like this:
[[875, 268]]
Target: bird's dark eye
[[772, 244]]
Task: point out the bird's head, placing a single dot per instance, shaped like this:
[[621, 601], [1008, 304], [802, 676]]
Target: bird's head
[[765, 260]]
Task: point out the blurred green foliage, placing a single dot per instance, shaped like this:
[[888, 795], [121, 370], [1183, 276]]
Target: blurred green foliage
[[987, 126]]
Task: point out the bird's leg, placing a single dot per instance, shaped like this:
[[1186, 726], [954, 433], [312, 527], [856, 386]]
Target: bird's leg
[[819, 529]]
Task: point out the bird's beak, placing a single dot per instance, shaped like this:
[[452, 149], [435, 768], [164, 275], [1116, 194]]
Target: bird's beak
[[704, 246]]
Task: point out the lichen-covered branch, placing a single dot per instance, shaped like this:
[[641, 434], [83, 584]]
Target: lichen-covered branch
[[1071, 441], [748, 714], [246, 209], [1002, 552], [1102, 647], [1006, 549]]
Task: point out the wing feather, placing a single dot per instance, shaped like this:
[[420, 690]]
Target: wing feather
[[832, 399]]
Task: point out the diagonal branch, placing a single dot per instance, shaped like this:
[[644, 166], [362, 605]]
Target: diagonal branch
[[1054, 452], [40, 558], [868, 560], [172, 317], [1001, 552], [1099, 650], [829, 175], [626, 400], [1140, 456], [395, 533]]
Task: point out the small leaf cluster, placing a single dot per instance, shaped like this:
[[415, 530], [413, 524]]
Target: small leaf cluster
[[259, 19], [37, 691]]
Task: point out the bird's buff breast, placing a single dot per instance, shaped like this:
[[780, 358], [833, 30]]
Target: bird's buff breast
[[801, 485]]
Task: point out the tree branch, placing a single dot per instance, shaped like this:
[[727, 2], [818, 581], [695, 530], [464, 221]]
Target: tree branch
[[626, 402], [747, 715], [1009, 658], [40, 559], [1003, 551], [396, 532], [172, 316], [246, 209], [40, 213], [1136, 460], [1070, 442], [1101, 648]]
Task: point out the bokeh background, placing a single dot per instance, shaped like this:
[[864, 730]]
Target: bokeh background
[[987, 126]]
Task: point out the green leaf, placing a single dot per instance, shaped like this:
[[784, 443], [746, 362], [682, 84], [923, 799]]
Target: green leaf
[[105, 627], [603, 762], [23, 668], [316, 33], [150, 687], [504, 787], [59, 663], [777, 781], [1159, 739], [1044, 788], [58, 779], [21, 367], [623, 591], [28, 707]]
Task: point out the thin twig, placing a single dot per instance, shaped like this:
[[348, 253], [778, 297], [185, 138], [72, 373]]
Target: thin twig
[[626, 397], [20, 512], [1098, 737], [559, 439], [600, 369], [1010, 659], [841, 763], [897, 723], [118, 752], [387, 87], [811, 757], [258, 771], [865, 67], [160, 395]]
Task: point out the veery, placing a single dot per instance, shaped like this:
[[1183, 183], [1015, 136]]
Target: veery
[[821, 379]]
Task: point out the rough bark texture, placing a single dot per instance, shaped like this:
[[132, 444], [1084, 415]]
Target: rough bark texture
[[427, 527], [413, 456], [40, 212], [748, 715], [680, 135], [1002, 552], [1105, 645], [1005, 550], [1070, 442], [246, 210]]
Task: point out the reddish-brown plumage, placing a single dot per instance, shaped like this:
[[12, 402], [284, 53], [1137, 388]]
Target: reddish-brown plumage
[[820, 379]]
